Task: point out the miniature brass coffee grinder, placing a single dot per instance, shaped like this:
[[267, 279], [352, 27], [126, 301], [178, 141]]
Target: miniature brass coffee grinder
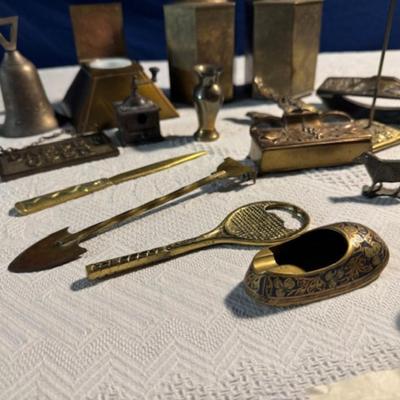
[[28, 110]]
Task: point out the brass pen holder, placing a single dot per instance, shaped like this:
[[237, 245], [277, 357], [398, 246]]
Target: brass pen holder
[[284, 44]]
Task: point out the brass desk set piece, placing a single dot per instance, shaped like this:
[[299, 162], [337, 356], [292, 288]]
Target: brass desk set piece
[[199, 32], [62, 247], [138, 119], [380, 171], [208, 99], [335, 91], [251, 225], [317, 265], [36, 158], [304, 137], [106, 73], [27, 108], [284, 44], [48, 200]]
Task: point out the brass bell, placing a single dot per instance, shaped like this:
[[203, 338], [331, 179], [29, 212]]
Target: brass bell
[[28, 110]]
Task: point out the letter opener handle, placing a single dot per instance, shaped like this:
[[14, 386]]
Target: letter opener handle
[[48, 200]]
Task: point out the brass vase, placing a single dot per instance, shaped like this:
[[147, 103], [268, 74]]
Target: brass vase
[[207, 98]]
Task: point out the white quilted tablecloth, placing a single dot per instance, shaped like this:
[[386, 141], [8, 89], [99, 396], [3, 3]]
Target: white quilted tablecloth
[[185, 329]]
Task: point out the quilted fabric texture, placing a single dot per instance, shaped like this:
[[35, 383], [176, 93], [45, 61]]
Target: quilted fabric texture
[[185, 329]]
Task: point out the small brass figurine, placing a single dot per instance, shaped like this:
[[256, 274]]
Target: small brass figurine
[[138, 119], [208, 99], [28, 110], [317, 265], [251, 225], [62, 247], [380, 171]]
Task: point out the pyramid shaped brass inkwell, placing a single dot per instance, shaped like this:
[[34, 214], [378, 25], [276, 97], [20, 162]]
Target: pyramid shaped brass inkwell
[[106, 73]]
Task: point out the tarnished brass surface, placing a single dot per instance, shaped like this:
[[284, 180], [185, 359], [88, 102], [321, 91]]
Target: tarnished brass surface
[[251, 225], [62, 246], [304, 137], [317, 265], [208, 99], [199, 33], [48, 200], [98, 30], [335, 91], [27, 108], [16, 163], [285, 44]]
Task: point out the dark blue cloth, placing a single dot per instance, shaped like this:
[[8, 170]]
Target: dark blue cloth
[[45, 34]]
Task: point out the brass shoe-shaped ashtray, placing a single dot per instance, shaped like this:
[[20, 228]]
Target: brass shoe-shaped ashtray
[[319, 264]]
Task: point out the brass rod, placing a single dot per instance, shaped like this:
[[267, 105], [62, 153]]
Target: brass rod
[[388, 30]]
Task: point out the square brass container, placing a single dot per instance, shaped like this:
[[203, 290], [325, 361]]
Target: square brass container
[[285, 44], [300, 151], [199, 33]]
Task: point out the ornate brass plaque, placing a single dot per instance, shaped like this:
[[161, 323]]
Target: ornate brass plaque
[[16, 163]]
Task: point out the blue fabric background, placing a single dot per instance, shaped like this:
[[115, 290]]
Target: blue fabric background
[[45, 34]]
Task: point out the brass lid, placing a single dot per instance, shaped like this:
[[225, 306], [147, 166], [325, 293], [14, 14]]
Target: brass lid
[[98, 31]]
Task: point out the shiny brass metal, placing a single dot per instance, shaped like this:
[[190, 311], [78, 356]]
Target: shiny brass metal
[[317, 265], [199, 33], [62, 246], [304, 137], [380, 171], [208, 99], [251, 225], [285, 45], [28, 110], [17, 163], [48, 200], [106, 73]]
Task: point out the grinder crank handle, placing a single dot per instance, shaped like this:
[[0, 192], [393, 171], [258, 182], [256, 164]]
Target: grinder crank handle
[[142, 259]]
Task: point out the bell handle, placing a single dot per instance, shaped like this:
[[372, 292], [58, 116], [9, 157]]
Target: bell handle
[[11, 44]]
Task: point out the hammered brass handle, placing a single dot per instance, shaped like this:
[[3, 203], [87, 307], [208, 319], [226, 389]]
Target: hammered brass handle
[[61, 196], [142, 259]]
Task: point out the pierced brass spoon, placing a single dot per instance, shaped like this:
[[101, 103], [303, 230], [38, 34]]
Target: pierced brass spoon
[[251, 225]]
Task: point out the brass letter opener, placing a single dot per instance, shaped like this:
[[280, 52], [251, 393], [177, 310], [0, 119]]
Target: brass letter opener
[[48, 200], [251, 225], [62, 247]]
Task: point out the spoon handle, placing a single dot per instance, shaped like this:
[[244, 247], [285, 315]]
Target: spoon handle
[[150, 257]]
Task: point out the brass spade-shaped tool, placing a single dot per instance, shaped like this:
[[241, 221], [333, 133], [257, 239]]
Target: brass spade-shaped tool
[[251, 225], [62, 247]]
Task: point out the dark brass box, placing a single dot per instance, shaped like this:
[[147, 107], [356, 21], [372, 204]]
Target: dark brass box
[[284, 45], [199, 33]]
